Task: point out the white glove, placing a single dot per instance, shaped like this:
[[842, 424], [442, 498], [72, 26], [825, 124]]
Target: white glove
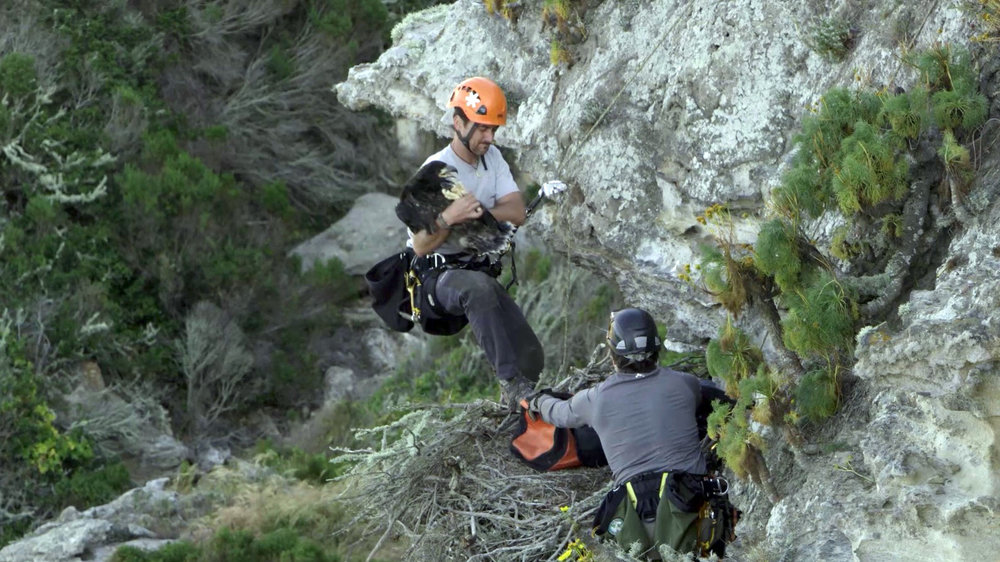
[[552, 188]]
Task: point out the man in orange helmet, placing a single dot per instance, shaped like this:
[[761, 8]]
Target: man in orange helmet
[[465, 286]]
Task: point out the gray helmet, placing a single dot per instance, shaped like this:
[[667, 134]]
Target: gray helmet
[[632, 334]]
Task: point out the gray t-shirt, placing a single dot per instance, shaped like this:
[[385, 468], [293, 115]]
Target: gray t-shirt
[[489, 180], [646, 422]]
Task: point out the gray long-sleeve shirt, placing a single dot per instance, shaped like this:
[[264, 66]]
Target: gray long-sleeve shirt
[[646, 422]]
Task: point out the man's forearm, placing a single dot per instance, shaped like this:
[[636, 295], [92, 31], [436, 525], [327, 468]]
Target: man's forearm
[[426, 242], [510, 208], [560, 413]]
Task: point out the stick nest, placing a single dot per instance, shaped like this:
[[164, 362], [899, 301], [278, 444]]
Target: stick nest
[[442, 479]]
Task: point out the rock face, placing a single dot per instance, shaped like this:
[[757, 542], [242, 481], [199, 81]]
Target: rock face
[[703, 99], [367, 233], [95, 533]]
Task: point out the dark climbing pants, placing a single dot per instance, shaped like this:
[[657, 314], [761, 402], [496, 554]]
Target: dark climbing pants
[[510, 344]]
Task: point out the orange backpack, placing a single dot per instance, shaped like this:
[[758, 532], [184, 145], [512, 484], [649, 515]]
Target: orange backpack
[[544, 447]]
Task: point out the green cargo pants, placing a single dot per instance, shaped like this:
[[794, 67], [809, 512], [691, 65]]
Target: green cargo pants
[[673, 527]]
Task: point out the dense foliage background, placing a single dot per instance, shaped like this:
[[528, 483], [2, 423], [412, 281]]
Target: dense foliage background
[[158, 161]]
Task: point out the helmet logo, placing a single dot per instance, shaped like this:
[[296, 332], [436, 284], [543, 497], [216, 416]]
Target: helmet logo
[[472, 100]]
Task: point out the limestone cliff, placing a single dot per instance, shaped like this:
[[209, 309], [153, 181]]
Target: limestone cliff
[[702, 99]]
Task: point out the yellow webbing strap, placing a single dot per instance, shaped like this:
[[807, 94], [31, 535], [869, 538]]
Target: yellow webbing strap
[[705, 542], [631, 492], [412, 281]]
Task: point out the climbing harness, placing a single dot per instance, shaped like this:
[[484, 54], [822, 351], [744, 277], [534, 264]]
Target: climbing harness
[[422, 276]]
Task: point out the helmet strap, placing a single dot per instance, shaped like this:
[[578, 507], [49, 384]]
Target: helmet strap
[[466, 138]]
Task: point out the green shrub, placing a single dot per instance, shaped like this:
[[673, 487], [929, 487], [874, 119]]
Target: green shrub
[[274, 198], [729, 426], [732, 357], [956, 157], [181, 551], [870, 171], [726, 275], [817, 394], [280, 544], [953, 108], [907, 112], [831, 38], [283, 544], [45, 467], [94, 486], [280, 64], [343, 19], [822, 321], [776, 253], [801, 189], [18, 77]]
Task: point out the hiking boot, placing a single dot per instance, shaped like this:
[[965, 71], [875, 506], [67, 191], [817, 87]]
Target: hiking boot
[[515, 389]]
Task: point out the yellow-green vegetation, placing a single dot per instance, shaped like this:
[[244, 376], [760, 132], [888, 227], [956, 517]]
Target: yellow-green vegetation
[[563, 17], [556, 14], [508, 9], [45, 468], [740, 365], [852, 159], [558, 54], [988, 16], [264, 518], [227, 544]]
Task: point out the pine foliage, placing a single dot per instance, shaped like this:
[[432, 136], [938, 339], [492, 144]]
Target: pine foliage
[[822, 319], [852, 159], [776, 253]]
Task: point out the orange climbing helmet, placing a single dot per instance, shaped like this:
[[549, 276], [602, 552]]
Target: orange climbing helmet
[[482, 101]]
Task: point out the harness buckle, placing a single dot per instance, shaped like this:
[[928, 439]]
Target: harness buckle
[[436, 260], [715, 486]]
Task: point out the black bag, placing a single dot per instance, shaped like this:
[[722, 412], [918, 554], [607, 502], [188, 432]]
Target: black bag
[[685, 491], [606, 511], [717, 526], [387, 284]]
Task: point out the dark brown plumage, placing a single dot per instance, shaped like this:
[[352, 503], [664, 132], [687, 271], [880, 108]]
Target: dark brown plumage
[[430, 191]]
